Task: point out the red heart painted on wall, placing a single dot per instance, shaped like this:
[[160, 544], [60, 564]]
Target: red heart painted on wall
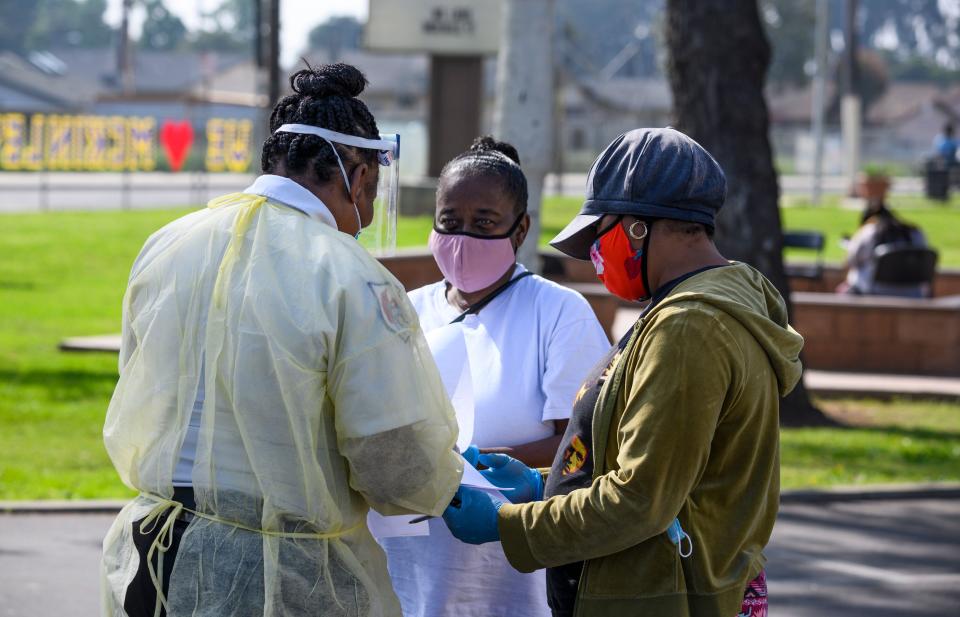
[[176, 138]]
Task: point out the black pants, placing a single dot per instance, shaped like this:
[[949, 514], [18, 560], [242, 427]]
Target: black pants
[[141, 596]]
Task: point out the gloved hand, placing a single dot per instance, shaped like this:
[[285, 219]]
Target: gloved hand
[[474, 521], [507, 472], [471, 454]]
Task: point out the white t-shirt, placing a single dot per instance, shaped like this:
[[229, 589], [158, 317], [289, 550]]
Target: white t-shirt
[[530, 350]]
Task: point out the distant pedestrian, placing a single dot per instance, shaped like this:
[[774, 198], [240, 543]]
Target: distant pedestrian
[[945, 145], [878, 226]]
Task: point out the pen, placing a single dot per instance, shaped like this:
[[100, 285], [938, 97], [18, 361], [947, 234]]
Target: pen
[[455, 503]]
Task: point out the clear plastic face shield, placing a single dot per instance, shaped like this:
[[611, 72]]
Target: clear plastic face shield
[[380, 237]]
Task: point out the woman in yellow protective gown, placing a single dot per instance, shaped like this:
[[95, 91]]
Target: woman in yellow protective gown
[[274, 385]]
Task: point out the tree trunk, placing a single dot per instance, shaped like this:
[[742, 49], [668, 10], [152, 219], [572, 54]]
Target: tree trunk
[[718, 57], [524, 105]]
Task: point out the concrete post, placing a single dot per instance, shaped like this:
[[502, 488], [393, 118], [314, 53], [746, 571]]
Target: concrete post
[[525, 101], [819, 83]]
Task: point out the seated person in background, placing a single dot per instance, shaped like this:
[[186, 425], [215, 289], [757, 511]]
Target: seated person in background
[[945, 145], [530, 347], [878, 226]]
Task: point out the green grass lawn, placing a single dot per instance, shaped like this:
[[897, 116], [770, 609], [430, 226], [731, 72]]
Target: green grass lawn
[[60, 274], [886, 442], [63, 274]]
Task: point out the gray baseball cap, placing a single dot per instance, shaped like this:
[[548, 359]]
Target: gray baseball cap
[[650, 174]]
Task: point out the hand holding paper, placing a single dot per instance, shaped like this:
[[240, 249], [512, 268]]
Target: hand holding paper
[[508, 474]]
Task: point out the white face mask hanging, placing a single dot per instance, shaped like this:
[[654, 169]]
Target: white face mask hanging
[[380, 237]]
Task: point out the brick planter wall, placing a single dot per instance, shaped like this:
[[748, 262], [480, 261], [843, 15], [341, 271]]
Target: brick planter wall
[[877, 334], [947, 282]]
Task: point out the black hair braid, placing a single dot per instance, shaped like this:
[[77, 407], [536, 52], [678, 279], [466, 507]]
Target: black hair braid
[[496, 159], [323, 96], [486, 143]]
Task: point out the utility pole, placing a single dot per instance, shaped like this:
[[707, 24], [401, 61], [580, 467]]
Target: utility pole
[[266, 63], [127, 87], [850, 105], [819, 86], [258, 55], [525, 101], [125, 51], [273, 52]]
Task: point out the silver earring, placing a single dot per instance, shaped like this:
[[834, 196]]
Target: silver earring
[[634, 234]]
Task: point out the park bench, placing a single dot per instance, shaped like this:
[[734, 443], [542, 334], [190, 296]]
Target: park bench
[[807, 240], [104, 342], [905, 269]]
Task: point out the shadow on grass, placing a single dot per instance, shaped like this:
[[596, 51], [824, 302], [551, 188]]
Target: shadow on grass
[[61, 385], [17, 285]]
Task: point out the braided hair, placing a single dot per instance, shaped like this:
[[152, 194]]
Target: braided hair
[[494, 159], [323, 96]]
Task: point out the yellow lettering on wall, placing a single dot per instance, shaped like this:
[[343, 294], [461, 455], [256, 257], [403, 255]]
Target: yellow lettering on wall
[[95, 143], [12, 129], [114, 157], [216, 159], [57, 143], [77, 136], [237, 144], [32, 156], [141, 144]]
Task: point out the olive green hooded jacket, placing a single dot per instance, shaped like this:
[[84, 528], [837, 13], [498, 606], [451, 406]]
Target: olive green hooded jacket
[[687, 426]]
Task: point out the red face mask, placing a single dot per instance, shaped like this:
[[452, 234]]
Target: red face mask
[[619, 267]]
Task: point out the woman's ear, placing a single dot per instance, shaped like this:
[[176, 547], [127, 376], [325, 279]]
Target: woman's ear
[[521, 233], [358, 182]]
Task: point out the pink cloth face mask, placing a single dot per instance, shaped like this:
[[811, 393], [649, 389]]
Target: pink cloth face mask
[[473, 262]]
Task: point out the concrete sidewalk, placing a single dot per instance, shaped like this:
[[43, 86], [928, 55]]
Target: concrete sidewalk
[[874, 384]]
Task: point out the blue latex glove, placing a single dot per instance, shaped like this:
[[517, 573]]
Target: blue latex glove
[[474, 521], [507, 472], [471, 454]]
